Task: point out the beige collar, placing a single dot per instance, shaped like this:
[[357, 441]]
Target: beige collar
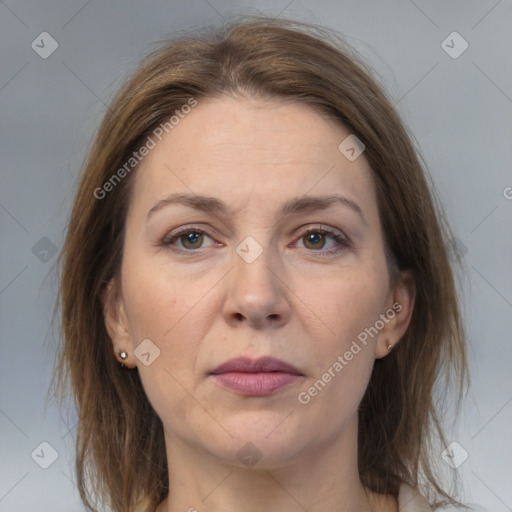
[[410, 500]]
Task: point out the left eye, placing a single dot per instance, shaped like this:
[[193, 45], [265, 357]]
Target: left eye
[[191, 239], [316, 239]]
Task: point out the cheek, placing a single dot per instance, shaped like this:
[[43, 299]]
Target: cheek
[[173, 312], [348, 305], [348, 302], [343, 363], [158, 297], [175, 318]]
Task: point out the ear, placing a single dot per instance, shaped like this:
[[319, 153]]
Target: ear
[[397, 316], [116, 323]]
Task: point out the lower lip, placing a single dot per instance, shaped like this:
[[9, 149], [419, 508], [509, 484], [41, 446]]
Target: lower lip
[[256, 384]]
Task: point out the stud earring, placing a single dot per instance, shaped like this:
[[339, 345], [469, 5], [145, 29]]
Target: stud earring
[[389, 346], [123, 355]]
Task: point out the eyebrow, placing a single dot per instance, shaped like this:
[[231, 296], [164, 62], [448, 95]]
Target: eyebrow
[[212, 205]]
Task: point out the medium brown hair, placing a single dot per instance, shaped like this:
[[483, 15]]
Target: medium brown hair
[[120, 449]]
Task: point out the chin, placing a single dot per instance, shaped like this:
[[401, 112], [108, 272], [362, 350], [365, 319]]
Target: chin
[[261, 440]]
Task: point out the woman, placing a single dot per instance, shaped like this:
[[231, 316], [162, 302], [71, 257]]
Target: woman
[[256, 294]]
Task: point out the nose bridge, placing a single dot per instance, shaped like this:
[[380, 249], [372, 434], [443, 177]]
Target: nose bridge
[[255, 292], [254, 264]]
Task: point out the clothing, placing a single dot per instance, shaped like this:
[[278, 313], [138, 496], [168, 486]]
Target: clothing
[[410, 500]]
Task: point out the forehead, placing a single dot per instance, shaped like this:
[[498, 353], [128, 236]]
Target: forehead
[[238, 149]]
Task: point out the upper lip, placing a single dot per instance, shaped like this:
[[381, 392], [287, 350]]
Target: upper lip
[[260, 365]]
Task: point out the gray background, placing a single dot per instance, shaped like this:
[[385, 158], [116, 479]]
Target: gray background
[[459, 110]]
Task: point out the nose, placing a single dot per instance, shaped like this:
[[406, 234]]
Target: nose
[[257, 296]]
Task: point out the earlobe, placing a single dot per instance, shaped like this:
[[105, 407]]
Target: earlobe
[[400, 311], [116, 324]]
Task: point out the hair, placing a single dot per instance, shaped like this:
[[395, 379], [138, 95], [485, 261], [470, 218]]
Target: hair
[[120, 449]]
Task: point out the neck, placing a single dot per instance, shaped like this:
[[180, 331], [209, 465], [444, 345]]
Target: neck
[[324, 479]]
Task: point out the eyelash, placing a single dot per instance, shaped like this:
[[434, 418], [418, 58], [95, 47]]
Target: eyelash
[[342, 241]]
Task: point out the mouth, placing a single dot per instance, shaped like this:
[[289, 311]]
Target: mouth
[[256, 377]]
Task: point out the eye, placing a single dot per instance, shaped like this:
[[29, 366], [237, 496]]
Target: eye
[[323, 240], [187, 239]]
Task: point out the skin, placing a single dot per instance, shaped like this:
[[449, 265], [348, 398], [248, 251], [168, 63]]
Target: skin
[[206, 306]]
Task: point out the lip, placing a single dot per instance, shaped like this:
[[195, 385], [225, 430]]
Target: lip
[[256, 377]]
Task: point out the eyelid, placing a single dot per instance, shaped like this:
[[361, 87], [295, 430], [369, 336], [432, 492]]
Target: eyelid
[[342, 240], [176, 233], [321, 227]]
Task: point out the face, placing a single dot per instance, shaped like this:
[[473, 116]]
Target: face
[[250, 235]]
